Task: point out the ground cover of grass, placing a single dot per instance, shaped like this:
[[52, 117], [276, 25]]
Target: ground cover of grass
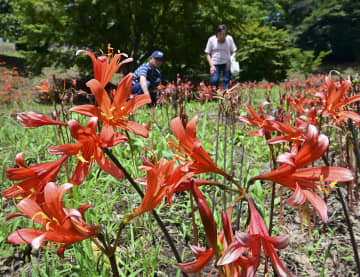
[[143, 250]]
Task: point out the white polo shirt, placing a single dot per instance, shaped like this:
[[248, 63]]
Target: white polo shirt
[[220, 52]]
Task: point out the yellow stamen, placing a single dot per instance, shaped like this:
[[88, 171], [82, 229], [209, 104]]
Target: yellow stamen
[[80, 157], [47, 226], [110, 50], [56, 220], [20, 188], [42, 214], [296, 138], [333, 185], [79, 227]]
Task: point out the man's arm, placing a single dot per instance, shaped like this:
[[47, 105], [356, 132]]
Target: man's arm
[[212, 67], [143, 85]]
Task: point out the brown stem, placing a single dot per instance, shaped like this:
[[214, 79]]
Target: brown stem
[[121, 227], [349, 226], [113, 264], [272, 204], [273, 186], [216, 155], [195, 230], [225, 143], [351, 233]]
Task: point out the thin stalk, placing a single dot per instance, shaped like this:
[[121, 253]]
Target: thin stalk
[[272, 207], [121, 227], [195, 229], [232, 150], [225, 143], [355, 141], [273, 187], [139, 191], [349, 163], [349, 226], [227, 188], [351, 233], [113, 264], [216, 157], [281, 205], [131, 150], [238, 210]]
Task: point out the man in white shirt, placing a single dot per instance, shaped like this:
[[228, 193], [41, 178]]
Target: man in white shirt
[[219, 50]]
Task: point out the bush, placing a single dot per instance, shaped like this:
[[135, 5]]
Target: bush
[[264, 53]]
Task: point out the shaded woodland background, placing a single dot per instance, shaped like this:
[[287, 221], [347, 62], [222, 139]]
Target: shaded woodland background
[[273, 37]]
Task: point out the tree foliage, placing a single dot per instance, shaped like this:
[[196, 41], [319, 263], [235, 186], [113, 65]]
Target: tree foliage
[[50, 31], [330, 25], [266, 53]]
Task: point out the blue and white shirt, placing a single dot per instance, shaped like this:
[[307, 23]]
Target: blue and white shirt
[[152, 75]]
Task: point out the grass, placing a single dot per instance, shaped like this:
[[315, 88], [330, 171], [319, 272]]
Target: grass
[[143, 250], [143, 247]]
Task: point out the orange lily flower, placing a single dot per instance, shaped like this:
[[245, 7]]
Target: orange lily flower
[[89, 148], [189, 149], [34, 120], [257, 120], [225, 237], [292, 174], [105, 66], [292, 134], [256, 236], [161, 180], [59, 224], [334, 101], [34, 177], [115, 113]]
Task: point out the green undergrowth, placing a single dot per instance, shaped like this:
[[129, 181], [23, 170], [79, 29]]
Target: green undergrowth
[[143, 250]]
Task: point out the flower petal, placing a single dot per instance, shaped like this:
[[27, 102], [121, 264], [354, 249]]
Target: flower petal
[[202, 260], [86, 110], [298, 198], [318, 203]]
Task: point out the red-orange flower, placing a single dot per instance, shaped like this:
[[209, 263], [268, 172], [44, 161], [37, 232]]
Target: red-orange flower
[[257, 120], [59, 224], [161, 179], [89, 148], [256, 235], [114, 113], [34, 177], [334, 101], [34, 120], [225, 237], [292, 174], [105, 66], [189, 148], [203, 255], [291, 134]]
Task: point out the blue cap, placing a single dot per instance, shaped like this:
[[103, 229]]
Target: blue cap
[[157, 54]]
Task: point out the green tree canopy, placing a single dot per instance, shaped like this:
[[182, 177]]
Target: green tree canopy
[[50, 31]]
